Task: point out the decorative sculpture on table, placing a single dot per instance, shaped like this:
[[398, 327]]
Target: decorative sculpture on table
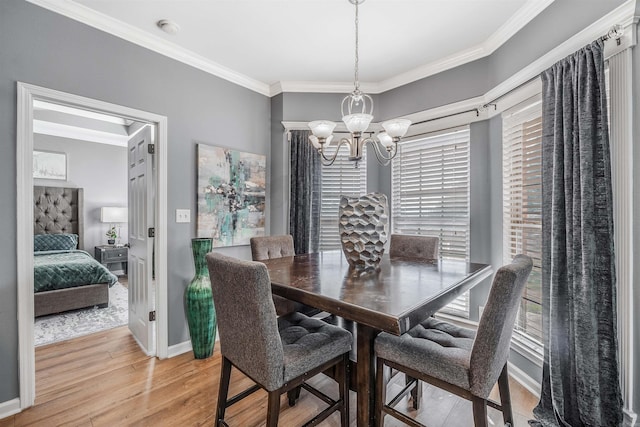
[[364, 229]]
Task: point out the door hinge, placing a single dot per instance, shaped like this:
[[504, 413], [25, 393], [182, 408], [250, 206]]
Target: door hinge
[[152, 316], [152, 232], [151, 149]]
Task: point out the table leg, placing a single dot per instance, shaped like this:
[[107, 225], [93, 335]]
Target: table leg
[[365, 374]]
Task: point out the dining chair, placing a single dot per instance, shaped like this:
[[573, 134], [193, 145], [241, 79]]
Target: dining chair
[[455, 359], [277, 353], [420, 247], [269, 247], [423, 247]]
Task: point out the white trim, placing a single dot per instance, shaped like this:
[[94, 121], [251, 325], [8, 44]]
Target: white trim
[[628, 418], [10, 407], [128, 32], [102, 22], [24, 245], [27, 93], [622, 171], [178, 349], [622, 15], [82, 134], [523, 16], [533, 386], [322, 87]]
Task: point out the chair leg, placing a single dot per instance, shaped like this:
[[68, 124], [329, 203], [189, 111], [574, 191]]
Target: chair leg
[[479, 412], [505, 396], [293, 395], [416, 393], [343, 384], [381, 392], [273, 410], [223, 390]]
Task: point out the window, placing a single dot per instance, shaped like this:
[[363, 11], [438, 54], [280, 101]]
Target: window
[[340, 178], [522, 208], [430, 195]]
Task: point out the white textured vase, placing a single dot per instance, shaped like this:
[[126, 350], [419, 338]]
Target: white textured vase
[[364, 229]]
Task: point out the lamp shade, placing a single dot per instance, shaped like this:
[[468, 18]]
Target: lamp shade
[[385, 139], [322, 128], [396, 128], [357, 122], [113, 214]]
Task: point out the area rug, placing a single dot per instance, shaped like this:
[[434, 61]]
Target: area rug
[[72, 324]]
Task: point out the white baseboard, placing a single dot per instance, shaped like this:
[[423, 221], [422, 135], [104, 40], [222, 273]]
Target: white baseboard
[[10, 407], [178, 349], [629, 419], [525, 380]]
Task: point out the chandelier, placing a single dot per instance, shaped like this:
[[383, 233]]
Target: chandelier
[[357, 114]]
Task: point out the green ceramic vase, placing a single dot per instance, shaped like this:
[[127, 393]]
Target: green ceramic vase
[[201, 314]]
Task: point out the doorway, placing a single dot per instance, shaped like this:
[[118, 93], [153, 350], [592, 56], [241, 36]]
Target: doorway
[[27, 95]]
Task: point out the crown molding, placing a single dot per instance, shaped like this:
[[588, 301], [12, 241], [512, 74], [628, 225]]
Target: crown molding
[[157, 44], [105, 23], [322, 87], [522, 17], [623, 14], [78, 133]]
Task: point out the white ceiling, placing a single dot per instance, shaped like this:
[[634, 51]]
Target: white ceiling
[[308, 45]]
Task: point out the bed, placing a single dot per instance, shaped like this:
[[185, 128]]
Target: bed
[[65, 276]]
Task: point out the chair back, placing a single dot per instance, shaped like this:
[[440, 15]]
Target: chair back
[[247, 322], [493, 337], [422, 247], [268, 247]]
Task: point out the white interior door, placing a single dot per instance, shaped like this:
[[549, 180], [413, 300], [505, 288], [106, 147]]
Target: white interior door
[[141, 220]]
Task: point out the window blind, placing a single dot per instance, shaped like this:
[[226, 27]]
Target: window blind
[[341, 178], [522, 207], [430, 195]]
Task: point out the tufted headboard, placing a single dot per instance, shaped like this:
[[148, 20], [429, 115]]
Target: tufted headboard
[[58, 210]]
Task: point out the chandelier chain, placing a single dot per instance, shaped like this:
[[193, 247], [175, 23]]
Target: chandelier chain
[[356, 82]]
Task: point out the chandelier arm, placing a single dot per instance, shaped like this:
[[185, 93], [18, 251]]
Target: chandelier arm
[[328, 161], [382, 159]]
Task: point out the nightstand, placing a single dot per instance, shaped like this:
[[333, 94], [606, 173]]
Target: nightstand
[[108, 255]]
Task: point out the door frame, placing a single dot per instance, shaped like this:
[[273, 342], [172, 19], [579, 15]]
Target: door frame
[[26, 94]]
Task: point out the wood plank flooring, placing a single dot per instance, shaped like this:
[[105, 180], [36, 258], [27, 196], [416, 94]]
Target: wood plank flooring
[[105, 380]]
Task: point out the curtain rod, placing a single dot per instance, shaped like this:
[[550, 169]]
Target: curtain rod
[[616, 32]]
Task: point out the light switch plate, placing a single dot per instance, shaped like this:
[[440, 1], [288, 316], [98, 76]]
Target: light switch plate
[[183, 215]]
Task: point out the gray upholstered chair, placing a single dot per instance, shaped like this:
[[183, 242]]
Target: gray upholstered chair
[[278, 353], [459, 360], [269, 247], [423, 247]]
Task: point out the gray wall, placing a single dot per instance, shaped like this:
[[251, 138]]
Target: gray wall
[[46, 49], [101, 170]]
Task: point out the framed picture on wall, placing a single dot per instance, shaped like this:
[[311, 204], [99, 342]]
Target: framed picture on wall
[[49, 165], [231, 195]]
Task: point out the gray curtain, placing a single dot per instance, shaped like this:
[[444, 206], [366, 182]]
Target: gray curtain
[[304, 202], [580, 373]]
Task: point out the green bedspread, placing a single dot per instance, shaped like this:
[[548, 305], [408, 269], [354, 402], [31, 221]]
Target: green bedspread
[[67, 269]]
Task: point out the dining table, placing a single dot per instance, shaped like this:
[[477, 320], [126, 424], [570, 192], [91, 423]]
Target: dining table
[[392, 298]]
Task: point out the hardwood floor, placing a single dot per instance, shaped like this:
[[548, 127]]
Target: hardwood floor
[[105, 380]]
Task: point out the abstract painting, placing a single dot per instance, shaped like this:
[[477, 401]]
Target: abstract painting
[[231, 195], [49, 165]]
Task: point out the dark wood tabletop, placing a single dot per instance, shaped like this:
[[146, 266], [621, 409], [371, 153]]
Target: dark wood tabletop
[[402, 292], [394, 298]]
